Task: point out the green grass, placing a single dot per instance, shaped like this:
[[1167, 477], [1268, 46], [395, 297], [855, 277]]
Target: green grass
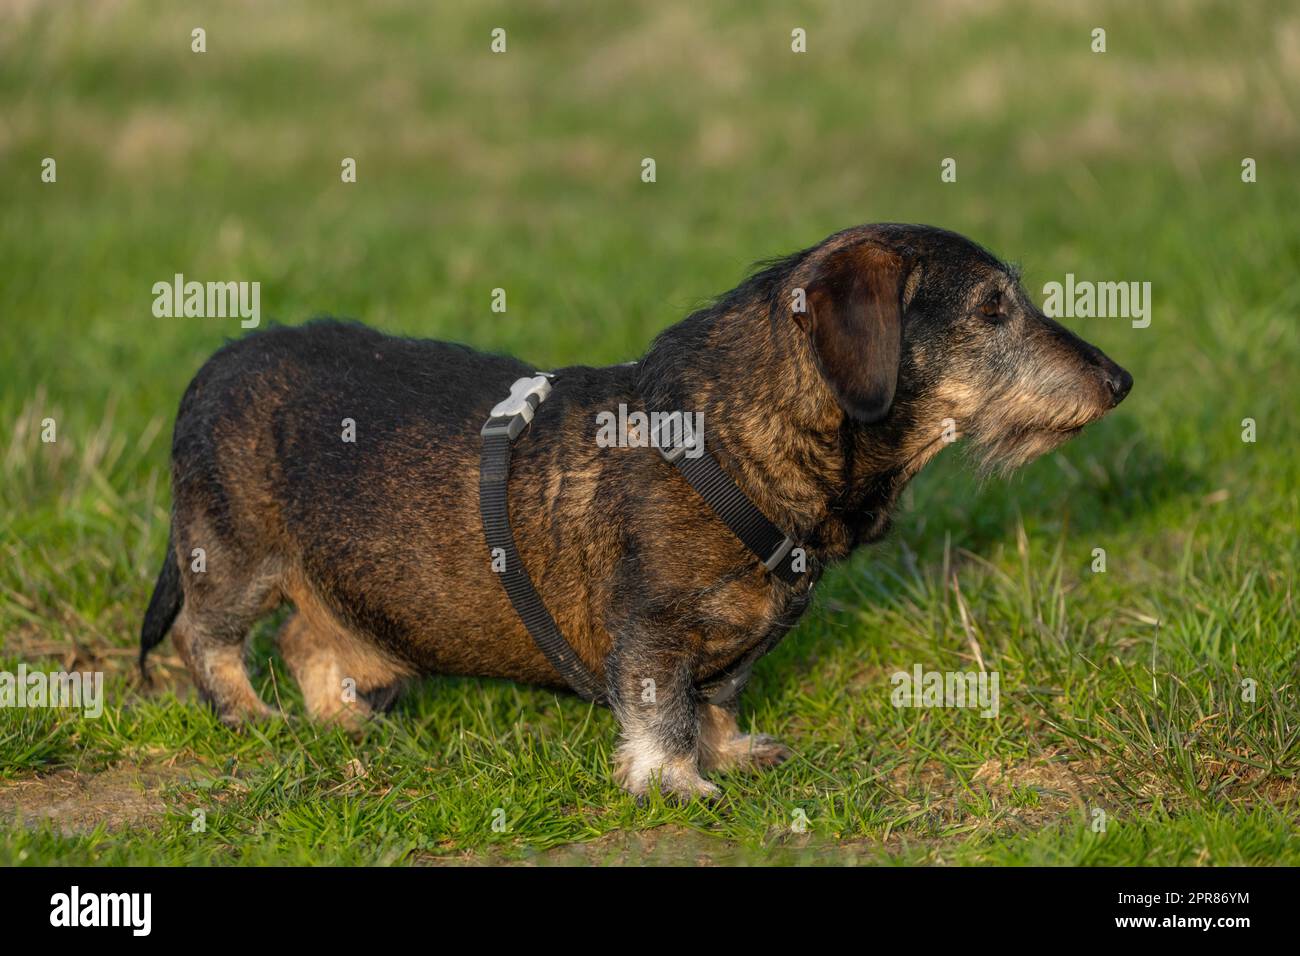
[[1121, 692]]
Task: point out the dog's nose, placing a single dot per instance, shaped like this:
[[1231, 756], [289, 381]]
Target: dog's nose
[[1119, 382]]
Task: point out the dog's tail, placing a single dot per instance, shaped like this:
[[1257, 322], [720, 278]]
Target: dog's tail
[[163, 606]]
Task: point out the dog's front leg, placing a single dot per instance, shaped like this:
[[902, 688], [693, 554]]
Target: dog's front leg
[[724, 748], [653, 695]]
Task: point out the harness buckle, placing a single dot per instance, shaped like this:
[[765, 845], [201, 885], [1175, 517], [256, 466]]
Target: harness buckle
[[512, 413], [776, 557], [672, 427]]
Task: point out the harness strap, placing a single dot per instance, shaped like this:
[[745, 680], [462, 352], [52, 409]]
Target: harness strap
[[681, 448], [685, 451], [508, 419]]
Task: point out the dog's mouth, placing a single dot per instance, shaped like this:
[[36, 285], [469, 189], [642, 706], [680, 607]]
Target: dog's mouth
[[1072, 426], [1068, 431], [1001, 444], [1006, 448], [1055, 434]]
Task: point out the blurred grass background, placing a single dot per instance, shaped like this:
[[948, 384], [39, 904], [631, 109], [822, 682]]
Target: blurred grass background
[[522, 171]]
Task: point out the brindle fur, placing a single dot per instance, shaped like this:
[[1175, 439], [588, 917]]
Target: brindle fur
[[822, 417]]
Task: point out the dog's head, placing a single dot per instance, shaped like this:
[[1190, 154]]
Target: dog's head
[[922, 330]]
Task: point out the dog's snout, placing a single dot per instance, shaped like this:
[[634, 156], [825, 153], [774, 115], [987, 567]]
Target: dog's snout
[[1092, 360], [1118, 380]]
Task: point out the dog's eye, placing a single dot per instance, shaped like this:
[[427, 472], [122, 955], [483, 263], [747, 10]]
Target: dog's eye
[[992, 307]]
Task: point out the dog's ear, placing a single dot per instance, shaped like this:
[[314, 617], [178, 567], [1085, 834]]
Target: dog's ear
[[854, 322]]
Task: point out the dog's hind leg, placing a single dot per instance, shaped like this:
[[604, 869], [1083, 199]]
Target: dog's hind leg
[[343, 678], [210, 633], [723, 747]]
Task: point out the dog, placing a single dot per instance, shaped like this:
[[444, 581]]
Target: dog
[[337, 468]]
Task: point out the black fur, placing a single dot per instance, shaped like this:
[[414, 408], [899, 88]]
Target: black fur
[[164, 605]]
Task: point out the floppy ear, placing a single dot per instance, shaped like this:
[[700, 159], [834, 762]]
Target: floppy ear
[[855, 306]]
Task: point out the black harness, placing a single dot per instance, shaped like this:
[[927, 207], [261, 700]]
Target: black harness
[[685, 451]]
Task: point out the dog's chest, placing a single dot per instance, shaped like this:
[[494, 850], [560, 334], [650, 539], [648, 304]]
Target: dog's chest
[[741, 617]]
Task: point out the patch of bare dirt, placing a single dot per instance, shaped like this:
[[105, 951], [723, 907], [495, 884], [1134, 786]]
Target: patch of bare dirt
[[662, 846], [120, 798]]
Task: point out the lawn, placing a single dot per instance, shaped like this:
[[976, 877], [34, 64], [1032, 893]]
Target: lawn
[[1149, 711]]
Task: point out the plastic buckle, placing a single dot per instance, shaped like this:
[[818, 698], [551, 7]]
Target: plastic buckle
[[670, 427], [779, 554], [512, 413]]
